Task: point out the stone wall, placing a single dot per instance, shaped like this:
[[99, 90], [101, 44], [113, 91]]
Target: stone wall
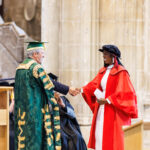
[[11, 49], [26, 14]]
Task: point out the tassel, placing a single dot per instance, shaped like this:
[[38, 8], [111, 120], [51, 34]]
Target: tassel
[[115, 62]]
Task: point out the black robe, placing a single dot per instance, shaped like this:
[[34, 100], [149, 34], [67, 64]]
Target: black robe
[[71, 136]]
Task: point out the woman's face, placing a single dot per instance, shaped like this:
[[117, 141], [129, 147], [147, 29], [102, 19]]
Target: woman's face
[[108, 58]]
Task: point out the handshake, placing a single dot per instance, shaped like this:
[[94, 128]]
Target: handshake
[[74, 91]]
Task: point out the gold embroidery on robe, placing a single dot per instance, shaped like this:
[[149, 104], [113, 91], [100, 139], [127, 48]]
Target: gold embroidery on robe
[[56, 108], [53, 100], [49, 141], [42, 74], [47, 117], [45, 80], [47, 124], [26, 66], [35, 70], [21, 122], [58, 137], [57, 127], [57, 118], [49, 86], [58, 147]]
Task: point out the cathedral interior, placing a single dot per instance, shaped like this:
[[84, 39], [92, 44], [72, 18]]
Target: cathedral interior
[[74, 31]]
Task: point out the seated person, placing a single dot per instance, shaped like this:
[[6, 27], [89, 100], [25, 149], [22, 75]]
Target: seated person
[[71, 136], [62, 88]]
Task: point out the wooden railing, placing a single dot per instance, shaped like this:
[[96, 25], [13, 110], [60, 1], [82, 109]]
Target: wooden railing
[[4, 117]]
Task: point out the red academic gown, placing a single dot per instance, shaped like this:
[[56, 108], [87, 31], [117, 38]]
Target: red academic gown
[[123, 107]]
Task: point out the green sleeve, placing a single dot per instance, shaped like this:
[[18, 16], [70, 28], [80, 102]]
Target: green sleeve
[[44, 81]]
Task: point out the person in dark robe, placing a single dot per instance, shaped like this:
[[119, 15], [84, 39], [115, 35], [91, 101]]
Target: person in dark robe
[[71, 136], [62, 88]]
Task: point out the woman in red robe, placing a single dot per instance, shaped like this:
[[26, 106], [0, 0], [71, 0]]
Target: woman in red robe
[[112, 99]]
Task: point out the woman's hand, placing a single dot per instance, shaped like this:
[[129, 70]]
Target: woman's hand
[[102, 101]]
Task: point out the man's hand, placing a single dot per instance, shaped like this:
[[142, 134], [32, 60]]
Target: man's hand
[[78, 89], [102, 101], [11, 107], [59, 100], [73, 91]]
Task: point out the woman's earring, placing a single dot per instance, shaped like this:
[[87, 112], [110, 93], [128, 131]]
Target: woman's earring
[[113, 60]]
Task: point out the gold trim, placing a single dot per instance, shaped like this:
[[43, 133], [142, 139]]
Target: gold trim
[[26, 66], [49, 141], [12, 95], [48, 131], [42, 74], [53, 100], [21, 138], [20, 123], [45, 80], [34, 48], [43, 110], [57, 127], [48, 124], [48, 86], [58, 147], [56, 108], [20, 146], [58, 137], [23, 115], [47, 108], [47, 117], [57, 118], [35, 70]]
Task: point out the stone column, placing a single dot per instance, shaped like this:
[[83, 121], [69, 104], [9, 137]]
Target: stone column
[[78, 47], [50, 33], [74, 46]]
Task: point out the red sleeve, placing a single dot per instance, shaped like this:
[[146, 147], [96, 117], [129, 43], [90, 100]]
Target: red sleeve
[[88, 93], [124, 97]]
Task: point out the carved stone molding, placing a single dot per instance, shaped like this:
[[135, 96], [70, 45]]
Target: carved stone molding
[[30, 9]]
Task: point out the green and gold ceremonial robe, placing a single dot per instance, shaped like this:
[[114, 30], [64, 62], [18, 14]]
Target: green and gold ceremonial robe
[[33, 121]]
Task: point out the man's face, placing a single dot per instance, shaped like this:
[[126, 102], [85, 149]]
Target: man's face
[[39, 56]]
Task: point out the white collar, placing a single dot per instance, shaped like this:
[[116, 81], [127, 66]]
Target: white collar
[[110, 66]]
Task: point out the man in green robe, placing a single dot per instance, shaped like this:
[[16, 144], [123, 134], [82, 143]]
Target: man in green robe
[[33, 119]]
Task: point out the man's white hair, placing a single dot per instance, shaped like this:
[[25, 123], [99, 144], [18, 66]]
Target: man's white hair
[[30, 53]]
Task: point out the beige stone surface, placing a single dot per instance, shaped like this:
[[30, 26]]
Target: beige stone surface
[[50, 33], [14, 11], [11, 49]]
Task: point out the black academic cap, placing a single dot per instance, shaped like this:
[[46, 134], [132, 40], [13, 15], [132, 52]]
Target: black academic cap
[[111, 49], [54, 77]]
